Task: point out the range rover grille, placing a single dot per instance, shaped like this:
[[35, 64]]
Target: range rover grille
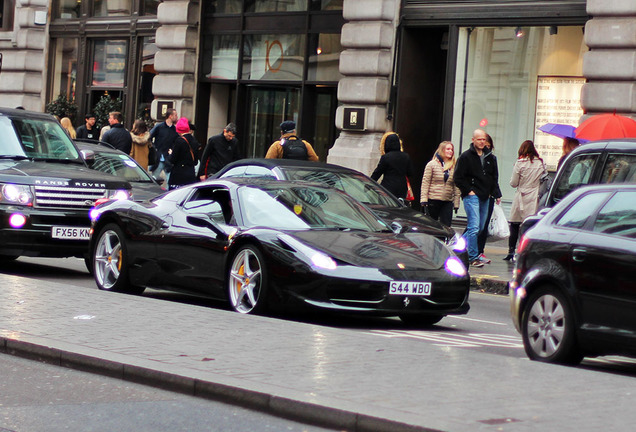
[[68, 197]]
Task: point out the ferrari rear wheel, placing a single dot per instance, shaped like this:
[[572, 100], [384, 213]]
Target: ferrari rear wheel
[[247, 281], [110, 262], [421, 320], [548, 328]]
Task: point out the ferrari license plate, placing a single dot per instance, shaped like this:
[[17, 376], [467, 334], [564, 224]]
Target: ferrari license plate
[[410, 288], [69, 233]]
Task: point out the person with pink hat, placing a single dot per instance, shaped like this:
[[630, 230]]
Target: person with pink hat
[[182, 157]]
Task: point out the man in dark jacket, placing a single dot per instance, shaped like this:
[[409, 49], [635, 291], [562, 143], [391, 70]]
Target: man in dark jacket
[[220, 150], [118, 136], [89, 130], [162, 135], [477, 177]]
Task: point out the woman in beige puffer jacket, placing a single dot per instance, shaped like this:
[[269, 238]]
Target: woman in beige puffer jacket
[[439, 195], [526, 177]]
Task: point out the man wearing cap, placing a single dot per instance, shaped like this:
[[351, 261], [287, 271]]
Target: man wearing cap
[[290, 146], [88, 131], [220, 150]]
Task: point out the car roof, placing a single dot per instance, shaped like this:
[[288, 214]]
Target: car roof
[[284, 163], [614, 144], [12, 112]]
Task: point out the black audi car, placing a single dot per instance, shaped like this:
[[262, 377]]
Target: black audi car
[[259, 243], [384, 204], [574, 283]]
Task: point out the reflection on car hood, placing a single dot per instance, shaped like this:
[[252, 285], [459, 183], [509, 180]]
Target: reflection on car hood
[[414, 218], [145, 190], [413, 251]]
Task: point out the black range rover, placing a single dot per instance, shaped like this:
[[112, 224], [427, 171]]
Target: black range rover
[[46, 189]]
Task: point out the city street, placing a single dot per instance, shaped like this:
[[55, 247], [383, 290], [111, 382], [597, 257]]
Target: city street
[[467, 373]]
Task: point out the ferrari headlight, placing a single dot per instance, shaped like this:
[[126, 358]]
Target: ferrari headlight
[[317, 258], [458, 243], [454, 266], [16, 194]]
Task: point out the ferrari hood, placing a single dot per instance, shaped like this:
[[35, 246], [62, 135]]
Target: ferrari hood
[[414, 251]]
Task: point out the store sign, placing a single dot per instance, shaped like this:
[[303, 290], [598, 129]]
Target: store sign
[[162, 109], [558, 101], [354, 119]]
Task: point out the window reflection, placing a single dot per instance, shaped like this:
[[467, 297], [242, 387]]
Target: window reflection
[[276, 5], [225, 6], [68, 9], [65, 67], [273, 57], [221, 57], [109, 63], [146, 76], [326, 5], [103, 8], [150, 7], [324, 57]]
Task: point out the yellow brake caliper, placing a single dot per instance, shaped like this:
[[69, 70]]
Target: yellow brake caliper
[[241, 272]]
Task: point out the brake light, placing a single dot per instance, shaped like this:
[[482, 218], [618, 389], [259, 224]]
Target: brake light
[[523, 243]]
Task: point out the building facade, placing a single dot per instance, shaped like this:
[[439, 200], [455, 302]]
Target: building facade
[[345, 70]]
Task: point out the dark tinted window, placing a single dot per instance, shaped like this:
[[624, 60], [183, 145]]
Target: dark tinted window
[[618, 215], [580, 211]]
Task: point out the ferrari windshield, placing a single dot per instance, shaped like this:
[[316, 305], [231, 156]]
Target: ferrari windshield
[[358, 186], [35, 138], [304, 207]]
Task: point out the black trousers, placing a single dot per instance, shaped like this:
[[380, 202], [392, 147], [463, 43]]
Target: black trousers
[[441, 211], [514, 236]]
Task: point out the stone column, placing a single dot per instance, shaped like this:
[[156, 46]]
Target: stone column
[[24, 53], [175, 61], [610, 65], [366, 63]]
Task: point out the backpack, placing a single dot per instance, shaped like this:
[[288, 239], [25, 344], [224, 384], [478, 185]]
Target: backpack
[[294, 148]]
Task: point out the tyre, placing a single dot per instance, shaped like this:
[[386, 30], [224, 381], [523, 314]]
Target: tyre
[[421, 320], [247, 281], [547, 328], [110, 262]]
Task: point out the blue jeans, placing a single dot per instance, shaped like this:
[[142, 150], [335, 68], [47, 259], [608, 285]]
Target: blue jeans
[[156, 172], [476, 215]]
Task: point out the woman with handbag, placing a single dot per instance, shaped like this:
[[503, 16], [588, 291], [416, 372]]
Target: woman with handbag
[[439, 196], [140, 143], [526, 177], [182, 157], [394, 167]]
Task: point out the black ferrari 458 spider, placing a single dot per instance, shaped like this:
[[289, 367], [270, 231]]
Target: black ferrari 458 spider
[[261, 243]]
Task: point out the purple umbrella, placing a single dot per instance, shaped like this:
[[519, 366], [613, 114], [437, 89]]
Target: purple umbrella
[[560, 130]]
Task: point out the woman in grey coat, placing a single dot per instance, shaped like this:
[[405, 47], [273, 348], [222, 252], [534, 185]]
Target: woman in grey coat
[[526, 177]]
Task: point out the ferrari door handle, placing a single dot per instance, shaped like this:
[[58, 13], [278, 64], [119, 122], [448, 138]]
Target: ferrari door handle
[[579, 254]]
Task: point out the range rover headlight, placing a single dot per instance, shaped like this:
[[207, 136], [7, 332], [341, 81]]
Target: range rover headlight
[[16, 194], [118, 194]]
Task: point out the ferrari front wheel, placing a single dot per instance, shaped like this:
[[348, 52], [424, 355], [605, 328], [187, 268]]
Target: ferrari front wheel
[[247, 281], [110, 261]]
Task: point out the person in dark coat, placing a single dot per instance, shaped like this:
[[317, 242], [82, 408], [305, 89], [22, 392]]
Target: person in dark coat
[[395, 166], [220, 150], [477, 177], [182, 158], [89, 130], [118, 136], [162, 136]]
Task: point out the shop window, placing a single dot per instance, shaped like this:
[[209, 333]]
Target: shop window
[[109, 63], [276, 5], [273, 57], [146, 76], [150, 7], [67, 9], [324, 57], [499, 71], [221, 56], [64, 67], [6, 15], [225, 6], [110, 8]]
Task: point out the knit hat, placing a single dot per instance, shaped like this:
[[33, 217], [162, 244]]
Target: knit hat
[[287, 126], [183, 126]]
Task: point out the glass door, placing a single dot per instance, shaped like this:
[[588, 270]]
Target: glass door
[[268, 108]]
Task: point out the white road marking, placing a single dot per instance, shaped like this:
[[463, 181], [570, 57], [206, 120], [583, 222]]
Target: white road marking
[[476, 320], [469, 340]]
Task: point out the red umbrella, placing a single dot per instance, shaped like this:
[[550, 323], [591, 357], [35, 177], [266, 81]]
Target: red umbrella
[[606, 126]]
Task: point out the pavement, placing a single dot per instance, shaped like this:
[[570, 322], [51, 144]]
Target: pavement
[[345, 379]]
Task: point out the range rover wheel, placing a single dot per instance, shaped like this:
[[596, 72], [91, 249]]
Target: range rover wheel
[[247, 281], [548, 328], [110, 262]]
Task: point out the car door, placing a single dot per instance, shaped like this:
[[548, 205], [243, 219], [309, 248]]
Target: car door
[[603, 264], [191, 251]]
